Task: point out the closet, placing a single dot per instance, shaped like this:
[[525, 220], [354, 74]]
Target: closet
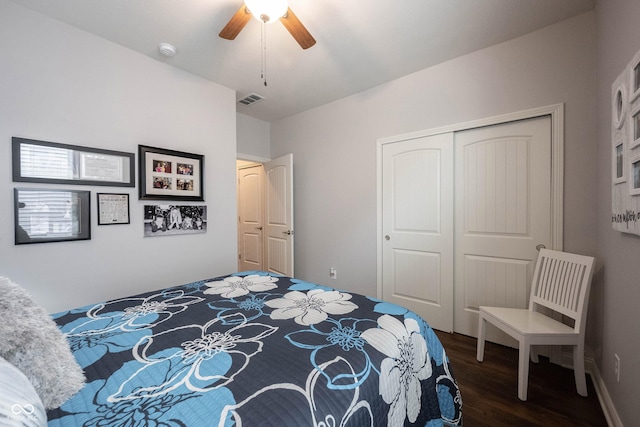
[[462, 212]]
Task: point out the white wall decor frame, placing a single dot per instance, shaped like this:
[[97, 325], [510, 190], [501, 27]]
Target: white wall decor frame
[[625, 151], [619, 106]]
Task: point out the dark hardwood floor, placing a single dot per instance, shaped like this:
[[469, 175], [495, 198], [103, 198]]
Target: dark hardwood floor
[[489, 389]]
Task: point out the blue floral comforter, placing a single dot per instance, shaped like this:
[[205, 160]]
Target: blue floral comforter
[[256, 349]]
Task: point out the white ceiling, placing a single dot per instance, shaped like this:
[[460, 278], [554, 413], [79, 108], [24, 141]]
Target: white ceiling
[[360, 43]]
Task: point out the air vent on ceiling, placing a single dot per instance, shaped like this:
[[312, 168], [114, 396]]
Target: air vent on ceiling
[[251, 99]]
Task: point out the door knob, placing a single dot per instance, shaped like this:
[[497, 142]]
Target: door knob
[[387, 237], [288, 232], [258, 228], [540, 246]]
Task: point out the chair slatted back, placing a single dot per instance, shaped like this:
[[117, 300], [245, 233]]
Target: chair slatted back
[[561, 282]]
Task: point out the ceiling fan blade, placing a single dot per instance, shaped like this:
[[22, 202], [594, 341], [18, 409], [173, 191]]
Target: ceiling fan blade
[[297, 30], [236, 24]]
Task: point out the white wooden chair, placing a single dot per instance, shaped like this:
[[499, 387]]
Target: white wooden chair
[[561, 282]]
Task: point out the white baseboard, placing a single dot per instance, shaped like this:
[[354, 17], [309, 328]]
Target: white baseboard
[[606, 403], [610, 413]]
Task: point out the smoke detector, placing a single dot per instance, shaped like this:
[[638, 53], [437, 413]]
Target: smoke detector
[[167, 49]]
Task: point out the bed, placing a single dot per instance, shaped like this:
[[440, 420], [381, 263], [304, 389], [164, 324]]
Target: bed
[[256, 349]]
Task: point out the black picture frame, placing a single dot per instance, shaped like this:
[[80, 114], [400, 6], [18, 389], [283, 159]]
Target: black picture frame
[[43, 215], [170, 220], [113, 208], [170, 174], [57, 163]]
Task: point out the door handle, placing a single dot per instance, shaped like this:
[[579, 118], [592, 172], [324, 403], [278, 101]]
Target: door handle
[[387, 237], [288, 232], [258, 228], [540, 246]]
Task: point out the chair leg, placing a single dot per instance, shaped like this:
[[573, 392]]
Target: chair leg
[[578, 369], [482, 327], [523, 370], [534, 354]]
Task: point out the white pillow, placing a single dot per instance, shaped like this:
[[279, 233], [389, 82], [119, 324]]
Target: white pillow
[[20, 405], [31, 341]]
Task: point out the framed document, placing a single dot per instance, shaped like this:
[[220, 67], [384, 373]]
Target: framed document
[[113, 208], [170, 175]]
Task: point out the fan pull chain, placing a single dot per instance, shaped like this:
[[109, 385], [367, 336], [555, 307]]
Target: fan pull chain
[[263, 53]]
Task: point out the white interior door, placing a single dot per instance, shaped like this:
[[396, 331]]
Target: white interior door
[[279, 215], [250, 217], [417, 227], [503, 211]]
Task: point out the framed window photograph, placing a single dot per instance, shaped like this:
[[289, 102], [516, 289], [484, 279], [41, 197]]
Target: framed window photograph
[[113, 208], [634, 187], [55, 163], [634, 128], [634, 80], [618, 163], [45, 215], [170, 175]]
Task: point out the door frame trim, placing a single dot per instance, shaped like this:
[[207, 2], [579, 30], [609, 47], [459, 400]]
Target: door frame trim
[[555, 111]]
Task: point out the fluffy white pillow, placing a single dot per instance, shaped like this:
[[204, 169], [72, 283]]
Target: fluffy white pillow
[[32, 342], [20, 405]]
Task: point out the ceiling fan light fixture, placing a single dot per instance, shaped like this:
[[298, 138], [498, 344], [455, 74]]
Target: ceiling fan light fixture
[[267, 11]]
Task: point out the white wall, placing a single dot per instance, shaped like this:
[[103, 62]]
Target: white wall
[[60, 84], [253, 138], [334, 146], [618, 40]]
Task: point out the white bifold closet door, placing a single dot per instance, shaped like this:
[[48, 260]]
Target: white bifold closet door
[[462, 214]]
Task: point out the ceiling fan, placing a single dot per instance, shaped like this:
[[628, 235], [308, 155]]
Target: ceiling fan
[[268, 11]]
